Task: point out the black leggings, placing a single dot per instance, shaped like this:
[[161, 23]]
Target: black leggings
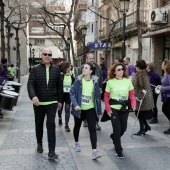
[[166, 109], [119, 124], [91, 117]]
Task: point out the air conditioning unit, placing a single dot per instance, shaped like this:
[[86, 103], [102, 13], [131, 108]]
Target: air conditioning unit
[[159, 15]]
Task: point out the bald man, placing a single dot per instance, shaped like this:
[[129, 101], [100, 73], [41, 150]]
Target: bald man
[[45, 90]]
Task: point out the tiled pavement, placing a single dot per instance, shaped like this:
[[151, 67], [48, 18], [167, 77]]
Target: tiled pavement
[[18, 144]]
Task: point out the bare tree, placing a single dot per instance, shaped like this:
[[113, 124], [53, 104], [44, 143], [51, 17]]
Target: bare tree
[[17, 15], [139, 30], [49, 15], [2, 30]]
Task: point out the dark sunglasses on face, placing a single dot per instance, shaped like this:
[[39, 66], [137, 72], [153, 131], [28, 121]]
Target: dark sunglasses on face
[[120, 69], [45, 54]]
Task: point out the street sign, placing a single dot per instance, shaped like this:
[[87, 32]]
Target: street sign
[[99, 46]]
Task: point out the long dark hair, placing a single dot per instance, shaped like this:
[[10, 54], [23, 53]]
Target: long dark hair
[[65, 66]]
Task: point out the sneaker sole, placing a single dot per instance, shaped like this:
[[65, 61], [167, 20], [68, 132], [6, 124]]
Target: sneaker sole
[[99, 156], [77, 150], [119, 157]]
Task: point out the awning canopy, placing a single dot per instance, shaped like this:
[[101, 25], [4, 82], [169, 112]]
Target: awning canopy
[[161, 32]]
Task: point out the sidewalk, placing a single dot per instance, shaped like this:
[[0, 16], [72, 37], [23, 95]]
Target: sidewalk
[[18, 144]]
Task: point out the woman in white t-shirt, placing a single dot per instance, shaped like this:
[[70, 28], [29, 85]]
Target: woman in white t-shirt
[[118, 90]]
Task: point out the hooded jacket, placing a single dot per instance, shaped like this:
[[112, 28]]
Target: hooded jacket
[[76, 95]]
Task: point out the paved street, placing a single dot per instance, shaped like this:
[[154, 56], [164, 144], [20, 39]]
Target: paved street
[[18, 144]]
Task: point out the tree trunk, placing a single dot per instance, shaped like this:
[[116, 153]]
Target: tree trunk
[[18, 57], [2, 30], [139, 31]]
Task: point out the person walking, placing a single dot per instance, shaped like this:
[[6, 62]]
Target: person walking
[[141, 82], [118, 89], [86, 104], [130, 68], [154, 80], [5, 73], [67, 80], [165, 91], [104, 79], [45, 90], [98, 73]]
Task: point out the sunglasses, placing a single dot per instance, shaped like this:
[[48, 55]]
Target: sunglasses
[[120, 69], [45, 54]]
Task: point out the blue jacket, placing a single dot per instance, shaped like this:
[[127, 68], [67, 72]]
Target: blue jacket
[[76, 94]]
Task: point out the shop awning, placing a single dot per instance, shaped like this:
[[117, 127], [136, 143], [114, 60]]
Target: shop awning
[[161, 32]]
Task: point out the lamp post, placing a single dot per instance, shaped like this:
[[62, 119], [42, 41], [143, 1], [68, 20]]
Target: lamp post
[[124, 6], [68, 48], [84, 32], [33, 57], [30, 59]]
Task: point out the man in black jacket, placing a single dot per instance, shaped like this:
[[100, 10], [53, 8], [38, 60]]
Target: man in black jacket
[[45, 90]]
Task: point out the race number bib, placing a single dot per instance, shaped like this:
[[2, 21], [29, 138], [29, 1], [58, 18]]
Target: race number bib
[[86, 100], [67, 89]]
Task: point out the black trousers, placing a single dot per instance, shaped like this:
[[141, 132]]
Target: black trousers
[[91, 117], [40, 112], [143, 124], [155, 110], [166, 108], [119, 124]]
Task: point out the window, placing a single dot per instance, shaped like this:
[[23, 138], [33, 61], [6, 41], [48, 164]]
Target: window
[[59, 41], [165, 2], [37, 17], [92, 3], [39, 42], [37, 30], [55, 3], [37, 4], [57, 28]]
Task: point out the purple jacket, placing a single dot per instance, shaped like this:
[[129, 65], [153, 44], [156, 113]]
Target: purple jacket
[[165, 89], [154, 79], [131, 69], [4, 73], [104, 74]]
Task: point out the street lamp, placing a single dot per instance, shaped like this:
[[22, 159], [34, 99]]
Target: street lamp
[[30, 59], [124, 5], [33, 61]]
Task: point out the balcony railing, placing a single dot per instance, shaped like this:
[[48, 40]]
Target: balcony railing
[[131, 21]]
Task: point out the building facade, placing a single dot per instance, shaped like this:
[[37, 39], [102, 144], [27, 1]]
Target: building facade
[[85, 20], [43, 30]]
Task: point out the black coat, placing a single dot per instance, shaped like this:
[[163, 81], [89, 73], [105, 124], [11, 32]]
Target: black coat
[[37, 84]]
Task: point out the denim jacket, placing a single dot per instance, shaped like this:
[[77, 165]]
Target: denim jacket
[[76, 95]]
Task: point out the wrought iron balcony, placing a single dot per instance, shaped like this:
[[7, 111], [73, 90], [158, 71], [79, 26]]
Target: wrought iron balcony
[[131, 22]]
